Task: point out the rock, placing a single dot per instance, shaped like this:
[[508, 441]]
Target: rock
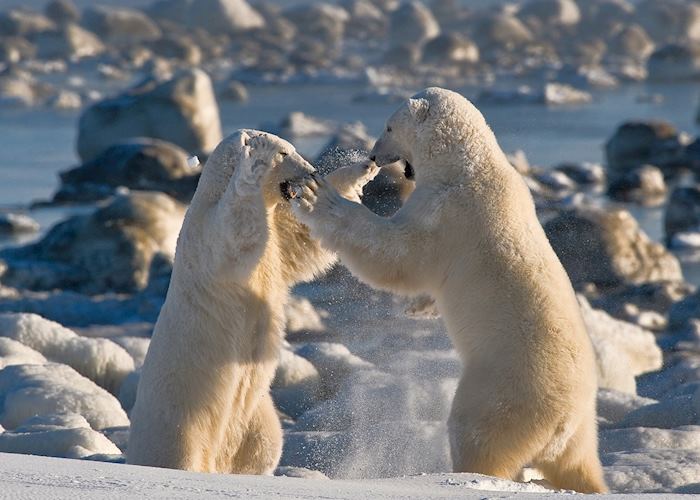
[[675, 61], [613, 405], [322, 21], [182, 110], [643, 143], [670, 20], [404, 56], [65, 435], [607, 247], [62, 11], [11, 224], [66, 100], [585, 77], [180, 48], [555, 180], [297, 124], [110, 249], [120, 25], [23, 22], [585, 174], [682, 212], [551, 12], [450, 48], [644, 185], [29, 390], [14, 49], [302, 316], [13, 352], [20, 89], [139, 164], [218, 17], [633, 42], [70, 41], [501, 31], [366, 20], [297, 385], [100, 360], [623, 350], [234, 91], [604, 17], [413, 23]]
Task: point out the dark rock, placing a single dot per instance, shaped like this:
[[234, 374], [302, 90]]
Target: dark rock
[[62, 11], [450, 48], [644, 185], [676, 61], [120, 25], [412, 23]]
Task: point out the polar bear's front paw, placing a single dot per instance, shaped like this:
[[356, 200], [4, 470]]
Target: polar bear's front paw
[[316, 198], [257, 158]]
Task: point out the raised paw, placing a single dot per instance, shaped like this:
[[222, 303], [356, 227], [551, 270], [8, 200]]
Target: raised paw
[[317, 198], [349, 181]]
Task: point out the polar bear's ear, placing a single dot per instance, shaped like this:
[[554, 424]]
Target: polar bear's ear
[[419, 109]]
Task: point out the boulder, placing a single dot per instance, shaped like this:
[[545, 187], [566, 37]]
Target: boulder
[[18, 88], [64, 435], [120, 25], [23, 22], [234, 91], [450, 48], [501, 31], [644, 185], [623, 350], [62, 11], [412, 23], [632, 42], [30, 390], [179, 48], [640, 143], [100, 360], [682, 212], [13, 224], [110, 249], [14, 49], [324, 22], [675, 61], [182, 110], [608, 248], [551, 12], [140, 164], [604, 17], [670, 20], [69, 41], [219, 17], [366, 20]]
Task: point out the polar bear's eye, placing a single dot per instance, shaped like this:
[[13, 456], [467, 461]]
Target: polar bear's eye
[[388, 129]]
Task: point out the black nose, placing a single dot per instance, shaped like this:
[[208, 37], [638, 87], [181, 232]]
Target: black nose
[[373, 158]]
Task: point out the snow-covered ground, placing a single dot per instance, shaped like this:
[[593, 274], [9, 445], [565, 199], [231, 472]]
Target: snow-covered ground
[[23, 476]]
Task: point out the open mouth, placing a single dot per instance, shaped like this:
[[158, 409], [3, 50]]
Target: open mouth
[[287, 190], [408, 172]]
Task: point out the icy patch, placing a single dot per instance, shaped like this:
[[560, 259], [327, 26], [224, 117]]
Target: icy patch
[[100, 360], [65, 435], [29, 390]]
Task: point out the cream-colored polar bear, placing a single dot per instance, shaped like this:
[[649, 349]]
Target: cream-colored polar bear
[[203, 401], [469, 236]]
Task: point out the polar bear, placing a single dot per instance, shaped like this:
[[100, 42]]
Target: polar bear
[[203, 401], [469, 236]]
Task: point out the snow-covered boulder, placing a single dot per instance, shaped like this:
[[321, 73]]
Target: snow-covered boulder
[[623, 350], [551, 12], [120, 25], [450, 48], [100, 360], [11, 223], [29, 390], [16, 353], [501, 31], [321, 21], [297, 384], [221, 17], [68, 42], [65, 435], [644, 185], [182, 110], [412, 22], [23, 22], [110, 249], [608, 248], [141, 164], [670, 20], [613, 405], [632, 42]]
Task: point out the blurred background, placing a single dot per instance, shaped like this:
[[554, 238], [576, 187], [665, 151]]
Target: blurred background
[[595, 102]]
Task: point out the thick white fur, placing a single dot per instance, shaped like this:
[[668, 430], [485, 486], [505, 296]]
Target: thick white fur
[[203, 401], [469, 236]]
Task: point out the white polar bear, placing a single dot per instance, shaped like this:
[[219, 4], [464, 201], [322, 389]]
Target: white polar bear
[[203, 401], [469, 236]]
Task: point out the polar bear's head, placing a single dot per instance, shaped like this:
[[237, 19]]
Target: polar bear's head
[[431, 124]]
